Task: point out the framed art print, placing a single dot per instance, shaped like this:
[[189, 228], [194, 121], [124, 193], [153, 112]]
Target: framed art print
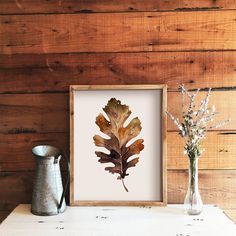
[[118, 145]]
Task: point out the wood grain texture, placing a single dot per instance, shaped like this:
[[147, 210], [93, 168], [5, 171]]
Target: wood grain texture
[[49, 112], [31, 113], [15, 150], [16, 188], [161, 87], [216, 186], [72, 196], [118, 203], [70, 6], [220, 151], [30, 119], [56, 72], [38, 54], [120, 32], [164, 144]]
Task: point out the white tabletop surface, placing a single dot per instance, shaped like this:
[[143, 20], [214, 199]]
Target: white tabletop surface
[[119, 221]]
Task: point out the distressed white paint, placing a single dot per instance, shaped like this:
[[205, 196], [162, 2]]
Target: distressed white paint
[[119, 221]]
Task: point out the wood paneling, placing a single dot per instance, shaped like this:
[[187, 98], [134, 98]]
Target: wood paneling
[[220, 151], [70, 6], [31, 113], [30, 119], [15, 150], [216, 186], [39, 113], [16, 188], [55, 72], [191, 42], [107, 32]]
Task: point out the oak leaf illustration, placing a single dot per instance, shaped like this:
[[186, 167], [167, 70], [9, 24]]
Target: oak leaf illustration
[[119, 136]]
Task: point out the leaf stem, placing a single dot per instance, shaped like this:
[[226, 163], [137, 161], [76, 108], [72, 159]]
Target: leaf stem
[[122, 180]]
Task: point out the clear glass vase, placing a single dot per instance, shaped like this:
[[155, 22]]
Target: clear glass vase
[[193, 203]]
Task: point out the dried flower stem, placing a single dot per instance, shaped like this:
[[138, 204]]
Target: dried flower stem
[[194, 123]]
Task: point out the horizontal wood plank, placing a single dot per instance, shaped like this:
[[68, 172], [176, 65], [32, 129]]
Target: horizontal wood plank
[[224, 102], [70, 6], [31, 113], [49, 112], [120, 32], [30, 119], [216, 187], [16, 188], [55, 72], [15, 150], [220, 151]]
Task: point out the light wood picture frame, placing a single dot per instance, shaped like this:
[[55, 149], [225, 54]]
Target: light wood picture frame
[[93, 122]]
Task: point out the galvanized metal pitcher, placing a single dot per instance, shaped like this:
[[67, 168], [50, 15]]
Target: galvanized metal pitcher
[[48, 194]]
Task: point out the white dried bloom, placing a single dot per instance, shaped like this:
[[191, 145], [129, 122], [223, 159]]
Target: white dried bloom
[[220, 124]]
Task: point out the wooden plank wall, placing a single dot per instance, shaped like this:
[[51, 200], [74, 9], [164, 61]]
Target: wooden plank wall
[[47, 45]]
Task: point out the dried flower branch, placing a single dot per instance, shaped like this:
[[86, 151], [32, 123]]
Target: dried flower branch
[[220, 124], [194, 124]]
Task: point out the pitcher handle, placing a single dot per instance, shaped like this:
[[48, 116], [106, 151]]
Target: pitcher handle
[[67, 181]]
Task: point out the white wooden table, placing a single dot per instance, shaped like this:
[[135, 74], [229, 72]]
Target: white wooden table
[[119, 221]]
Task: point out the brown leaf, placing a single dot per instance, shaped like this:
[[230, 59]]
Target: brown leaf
[[119, 137], [129, 132], [131, 163], [104, 124], [135, 148], [110, 144]]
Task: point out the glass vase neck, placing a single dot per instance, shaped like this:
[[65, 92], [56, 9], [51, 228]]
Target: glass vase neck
[[193, 202]]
